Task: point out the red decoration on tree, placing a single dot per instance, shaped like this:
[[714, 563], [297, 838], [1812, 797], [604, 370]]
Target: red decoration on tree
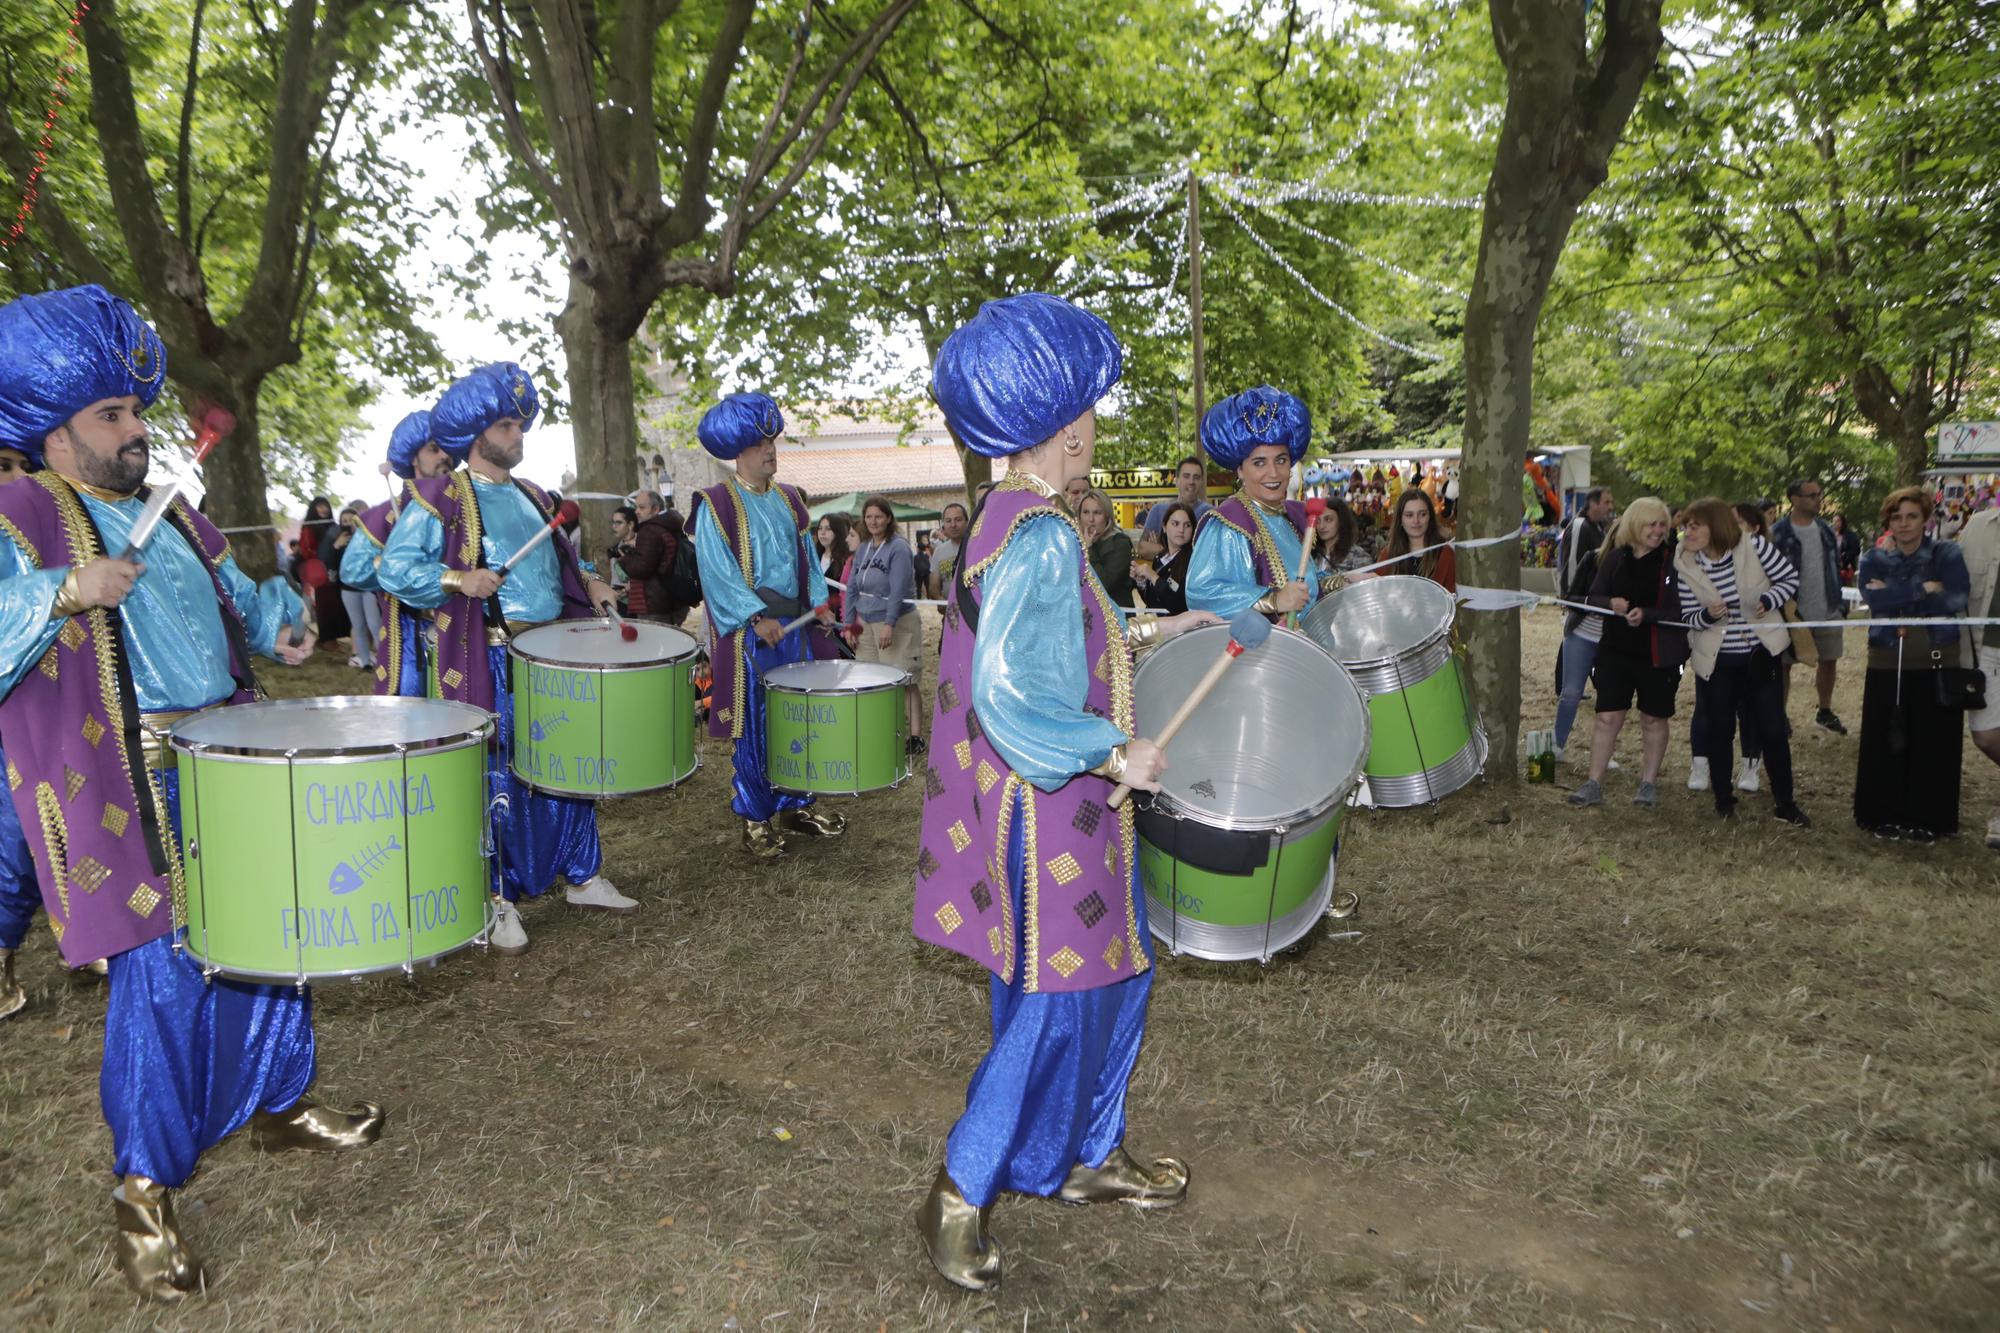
[[31, 190]]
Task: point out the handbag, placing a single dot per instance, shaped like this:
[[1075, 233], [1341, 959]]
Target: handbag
[[1805, 648], [1958, 687]]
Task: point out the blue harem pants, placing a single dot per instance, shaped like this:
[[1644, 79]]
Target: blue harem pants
[[755, 798], [20, 899], [410, 667], [1050, 1092], [540, 837]]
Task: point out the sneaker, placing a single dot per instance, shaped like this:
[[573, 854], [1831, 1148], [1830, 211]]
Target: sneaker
[[598, 895], [1698, 775], [1559, 755], [1791, 814], [1828, 720], [1747, 779], [1611, 765], [509, 936], [1590, 793], [1993, 833], [1648, 796]]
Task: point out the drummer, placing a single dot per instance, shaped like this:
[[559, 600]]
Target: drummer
[[759, 572], [399, 652], [1247, 549], [444, 556], [187, 1059], [1023, 866], [19, 898]]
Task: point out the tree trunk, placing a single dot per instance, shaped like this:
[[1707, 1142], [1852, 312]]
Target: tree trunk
[[236, 486], [603, 412]]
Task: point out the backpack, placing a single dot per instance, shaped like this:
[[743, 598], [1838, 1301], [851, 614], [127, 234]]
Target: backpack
[[684, 580]]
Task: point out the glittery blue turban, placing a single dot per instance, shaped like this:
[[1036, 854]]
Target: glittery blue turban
[[489, 393], [739, 421], [412, 433], [1021, 370], [1263, 415], [62, 351]]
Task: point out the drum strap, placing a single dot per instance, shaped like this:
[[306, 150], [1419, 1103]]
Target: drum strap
[[961, 591]]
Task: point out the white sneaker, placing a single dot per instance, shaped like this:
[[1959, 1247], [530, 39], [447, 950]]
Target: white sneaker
[[1611, 765], [1698, 775], [599, 896], [1560, 756], [1993, 833], [509, 936], [1746, 775]]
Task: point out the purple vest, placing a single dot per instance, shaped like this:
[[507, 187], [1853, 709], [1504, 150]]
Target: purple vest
[[464, 673], [378, 522], [105, 855], [1079, 928], [1269, 570], [729, 673]]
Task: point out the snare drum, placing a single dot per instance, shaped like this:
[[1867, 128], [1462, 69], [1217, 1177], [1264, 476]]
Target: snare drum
[[1393, 634], [596, 716], [1237, 851], [835, 728], [332, 837]]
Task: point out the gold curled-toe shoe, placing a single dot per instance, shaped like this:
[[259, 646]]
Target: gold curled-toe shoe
[[13, 999], [955, 1237], [761, 840], [316, 1128], [812, 823], [1122, 1180], [155, 1260]]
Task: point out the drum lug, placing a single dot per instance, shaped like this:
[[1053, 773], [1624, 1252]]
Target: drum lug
[[194, 849]]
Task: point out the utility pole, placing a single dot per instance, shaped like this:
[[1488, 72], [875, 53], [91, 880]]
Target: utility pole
[[1194, 297]]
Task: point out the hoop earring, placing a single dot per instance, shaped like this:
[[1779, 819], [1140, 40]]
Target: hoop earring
[[1072, 445]]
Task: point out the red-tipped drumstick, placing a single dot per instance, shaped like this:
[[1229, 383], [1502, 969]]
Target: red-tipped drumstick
[[1247, 630], [542, 534], [626, 629], [802, 620], [213, 424]]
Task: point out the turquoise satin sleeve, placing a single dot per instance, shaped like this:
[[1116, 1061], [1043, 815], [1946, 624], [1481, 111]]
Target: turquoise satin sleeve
[[729, 598], [507, 520], [258, 622], [1030, 673], [412, 568], [174, 638], [281, 604], [357, 567], [816, 589], [27, 595], [1221, 575]]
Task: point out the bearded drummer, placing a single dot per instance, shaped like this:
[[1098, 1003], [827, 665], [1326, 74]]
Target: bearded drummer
[[1024, 866], [19, 898], [445, 555], [400, 648], [98, 656], [1247, 549], [759, 573]]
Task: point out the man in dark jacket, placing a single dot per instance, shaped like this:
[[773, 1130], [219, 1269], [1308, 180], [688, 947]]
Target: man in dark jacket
[[1810, 543], [649, 565]]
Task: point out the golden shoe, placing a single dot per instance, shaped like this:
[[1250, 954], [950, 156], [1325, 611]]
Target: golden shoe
[[812, 823], [155, 1260], [955, 1237], [12, 998], [317, 1128], [1122, 1180], [762, 841]]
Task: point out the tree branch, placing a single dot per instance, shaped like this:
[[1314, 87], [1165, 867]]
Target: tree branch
[[183, 202], [75, 252], [500, 78], [689, 212]]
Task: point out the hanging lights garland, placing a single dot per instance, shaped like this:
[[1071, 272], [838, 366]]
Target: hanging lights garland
[[31, 189]]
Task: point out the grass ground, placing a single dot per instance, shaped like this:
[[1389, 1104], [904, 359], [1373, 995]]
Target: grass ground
[[1584, 1069]]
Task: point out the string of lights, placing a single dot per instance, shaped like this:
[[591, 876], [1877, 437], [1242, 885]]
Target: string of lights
[[1140, 239], [1419, 64], [1268, 192], [31, 188], [1345, 247]]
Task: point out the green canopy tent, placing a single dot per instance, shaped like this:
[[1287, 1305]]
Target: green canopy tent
[[851, 502]]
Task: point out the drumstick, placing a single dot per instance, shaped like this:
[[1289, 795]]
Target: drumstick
[[626, 630], [1247, 630], [791, 625], [216, 422], [1305, 563], [542, 534]]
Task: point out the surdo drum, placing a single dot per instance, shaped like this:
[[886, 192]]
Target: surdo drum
[[1237, 850], [835, 728], [332, 837], [1393, 634], [595, 716]]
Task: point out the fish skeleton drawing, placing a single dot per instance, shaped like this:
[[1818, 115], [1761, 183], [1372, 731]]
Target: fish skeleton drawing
[[539, 730], [351, 874]]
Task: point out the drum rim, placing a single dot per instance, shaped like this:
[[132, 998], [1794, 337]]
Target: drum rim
[[296, 977], [596, 796], [515, 650], [901, 682], [1322, 616], [479, 732]]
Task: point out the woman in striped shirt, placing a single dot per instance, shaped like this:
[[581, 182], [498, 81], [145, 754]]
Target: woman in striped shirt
[[1733, 584]]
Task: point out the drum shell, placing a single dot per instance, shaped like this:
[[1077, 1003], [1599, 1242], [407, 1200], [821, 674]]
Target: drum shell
[[331, 865], [597, 731], [836, 728], [1231, 914]]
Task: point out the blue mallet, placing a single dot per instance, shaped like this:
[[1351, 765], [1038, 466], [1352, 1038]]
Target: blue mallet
[[1247, 630]]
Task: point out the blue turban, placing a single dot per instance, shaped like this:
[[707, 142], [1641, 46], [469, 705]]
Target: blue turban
[[1021, 370], [412, 433], [1263, 415], [62, 351], [739, 421], [489, 393]]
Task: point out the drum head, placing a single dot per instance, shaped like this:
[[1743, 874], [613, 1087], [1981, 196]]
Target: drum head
[[1282, 738], [835, 677], [340, 725], [1380, 619], [597, 643]]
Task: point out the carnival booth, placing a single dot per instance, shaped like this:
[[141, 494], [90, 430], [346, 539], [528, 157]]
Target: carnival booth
[[1967, 476]]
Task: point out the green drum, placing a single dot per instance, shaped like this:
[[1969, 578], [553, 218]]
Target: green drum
[[836, 728], [332, 837], [597, 716], [1238, 850], [1393, 635]]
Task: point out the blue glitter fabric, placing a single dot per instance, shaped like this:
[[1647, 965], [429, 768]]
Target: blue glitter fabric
[[20, 899], [1237, 425], [62, 351], [541, 837], [739, 421], [1050, 1092], [187, 1061], [755, 798], [410, 671], [1021, 370], [412, 433], [485, 396]]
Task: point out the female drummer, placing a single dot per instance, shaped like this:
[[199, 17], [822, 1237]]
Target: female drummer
[[1247, 550]]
